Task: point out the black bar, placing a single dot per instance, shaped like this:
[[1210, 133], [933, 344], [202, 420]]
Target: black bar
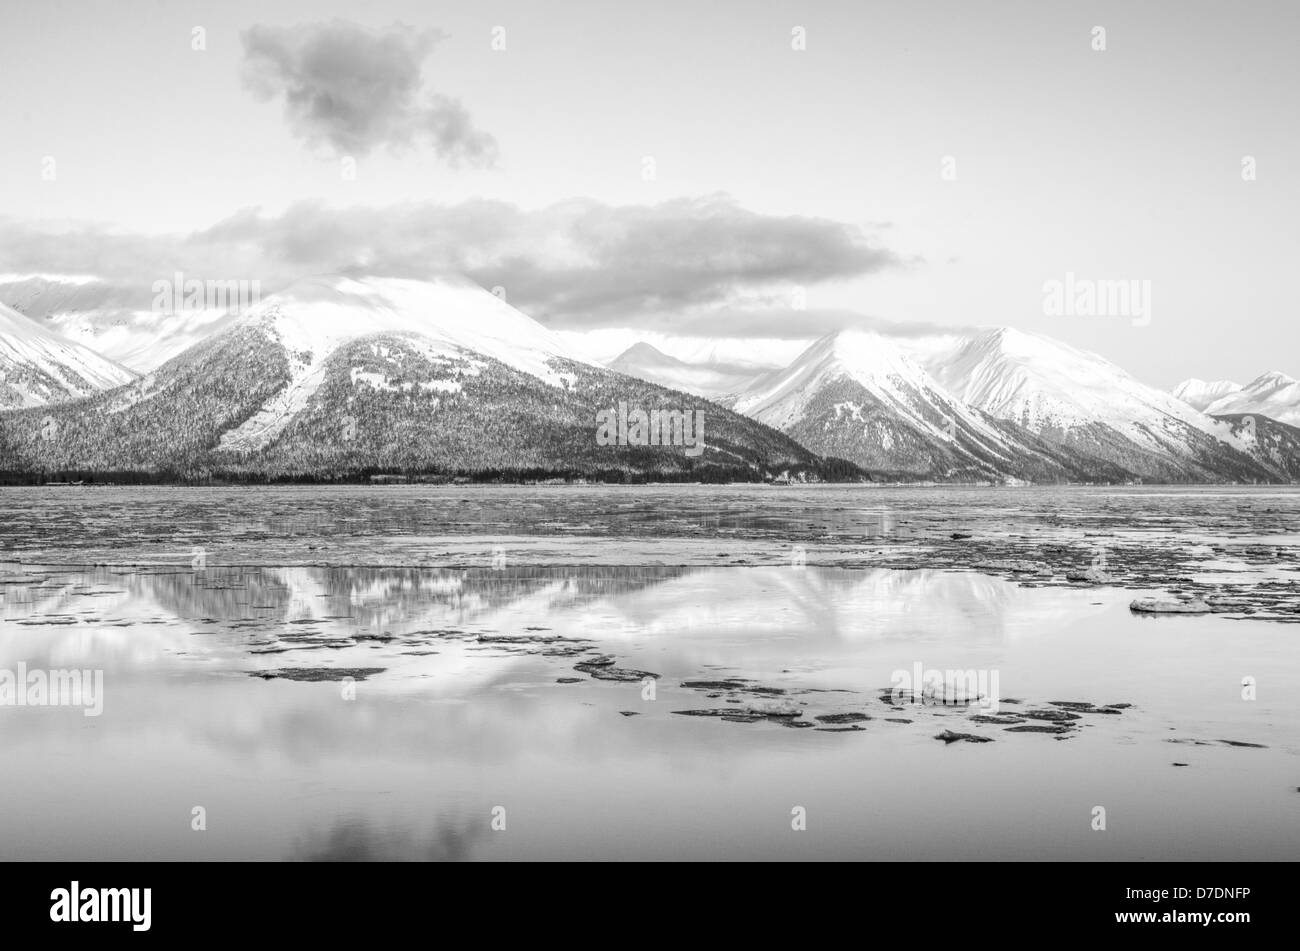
[[979, 903]]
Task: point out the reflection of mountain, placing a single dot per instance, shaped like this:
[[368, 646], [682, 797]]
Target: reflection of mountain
[[822, 605], [452, 725], [376, 597], [64, 620], [605, 603], [206, 631], [827, 605]]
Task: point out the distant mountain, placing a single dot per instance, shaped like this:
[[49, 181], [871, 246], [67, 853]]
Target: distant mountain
[[707, 379], [1275, 445], [1199, 394], [857, 395], [338, 376], [752, 355], [38, 368], [1273, 394], [1085, 404], [995, 404], [117, 321]]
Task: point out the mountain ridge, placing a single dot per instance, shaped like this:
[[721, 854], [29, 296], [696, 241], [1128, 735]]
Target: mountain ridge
[[982, 405], [39, 368], [1273, 394], [341, 375]]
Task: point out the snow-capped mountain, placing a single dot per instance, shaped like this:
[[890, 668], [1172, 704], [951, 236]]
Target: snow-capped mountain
[[710, 379], [38, 368], [339, 375], [117, 321], [1199, 394], [994, 404], [858, 395], [1082, 402], [442, 319], [1272, 394]]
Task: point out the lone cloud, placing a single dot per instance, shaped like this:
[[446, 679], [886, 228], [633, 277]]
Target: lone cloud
[[355, 89]]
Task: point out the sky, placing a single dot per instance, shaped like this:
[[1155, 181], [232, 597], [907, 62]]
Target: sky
[[774, 169]]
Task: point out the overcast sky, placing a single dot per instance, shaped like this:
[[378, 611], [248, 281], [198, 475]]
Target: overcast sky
[[776, 171]]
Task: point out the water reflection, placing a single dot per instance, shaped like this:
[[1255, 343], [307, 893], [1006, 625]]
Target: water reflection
[[360, 839], [413, 622], [467, 711]]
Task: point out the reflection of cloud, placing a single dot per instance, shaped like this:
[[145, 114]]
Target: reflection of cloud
[[85, 620], [357, 839]]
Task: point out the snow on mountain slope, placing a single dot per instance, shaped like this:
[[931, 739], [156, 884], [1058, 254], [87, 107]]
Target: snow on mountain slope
[[1272, 394], [1043, 384], [117, 321], [449, 315], [1084, 402], [1199, 394], [38, 367], [868, 359], [857, 395], [319, 313]]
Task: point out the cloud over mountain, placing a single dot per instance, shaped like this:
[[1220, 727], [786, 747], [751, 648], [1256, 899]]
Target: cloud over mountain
[[577, 263]]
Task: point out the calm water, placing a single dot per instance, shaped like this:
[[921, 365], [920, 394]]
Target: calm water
[[377, 673]]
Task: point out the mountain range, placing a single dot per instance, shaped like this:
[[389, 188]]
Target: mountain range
[[339, 376], [993, 404], [1272, 394]]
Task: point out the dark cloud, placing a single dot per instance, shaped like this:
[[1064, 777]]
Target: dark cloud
[[677, 255], [356, 89], [576, 264]]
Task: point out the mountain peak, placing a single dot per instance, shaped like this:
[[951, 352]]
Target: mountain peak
[[1012, 340], [642, 351], [319, 313], [1273, 378], [1201, 394]]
